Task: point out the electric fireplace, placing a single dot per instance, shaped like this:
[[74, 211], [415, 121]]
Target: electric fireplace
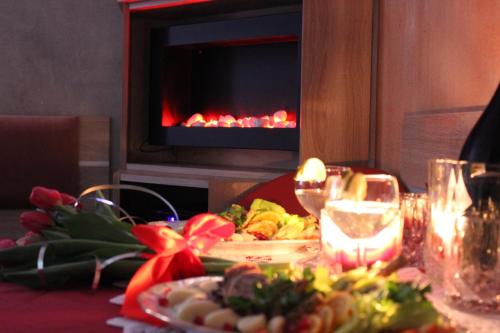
[[231, 82]]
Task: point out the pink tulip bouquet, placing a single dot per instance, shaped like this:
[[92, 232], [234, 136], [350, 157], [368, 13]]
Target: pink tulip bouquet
[[67, 242], [72, 239], [46, 200]]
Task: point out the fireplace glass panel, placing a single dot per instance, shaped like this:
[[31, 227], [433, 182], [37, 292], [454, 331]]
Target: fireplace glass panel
[[245, 69]]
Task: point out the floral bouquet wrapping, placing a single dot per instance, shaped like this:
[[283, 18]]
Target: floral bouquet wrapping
[[69, 244]]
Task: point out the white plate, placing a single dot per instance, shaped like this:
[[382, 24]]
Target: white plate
[[149, 302], [261, 251], [258, 251], [467, 322]]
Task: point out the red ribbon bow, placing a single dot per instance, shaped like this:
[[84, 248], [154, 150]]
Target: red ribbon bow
[[176, 256]]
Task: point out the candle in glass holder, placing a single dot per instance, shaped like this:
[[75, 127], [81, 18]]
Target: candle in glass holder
[[462, 246], [344, 251], [447, 200], [360, 223]]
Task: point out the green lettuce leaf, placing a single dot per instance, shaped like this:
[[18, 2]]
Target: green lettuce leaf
[[264, 205]]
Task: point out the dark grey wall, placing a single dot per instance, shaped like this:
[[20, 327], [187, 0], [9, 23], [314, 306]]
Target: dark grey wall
[[62, 57]]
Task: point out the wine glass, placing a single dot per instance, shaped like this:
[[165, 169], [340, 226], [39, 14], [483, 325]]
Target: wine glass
[[360, 223], [311, 193]]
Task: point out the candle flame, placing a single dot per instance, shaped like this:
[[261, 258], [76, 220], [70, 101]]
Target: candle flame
[[446, 214]]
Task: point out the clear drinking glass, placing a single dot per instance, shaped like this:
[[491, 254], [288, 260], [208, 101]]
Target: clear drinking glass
[[465, 210], [357, 230], [414, 208], [442, 180], [312, 194]]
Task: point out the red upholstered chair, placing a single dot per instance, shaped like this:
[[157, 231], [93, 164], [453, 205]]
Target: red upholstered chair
[[281, 191], [37, 150], [67, 153]]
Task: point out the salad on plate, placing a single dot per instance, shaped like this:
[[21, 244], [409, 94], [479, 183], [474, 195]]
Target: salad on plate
[[249, 300], [266, 220]]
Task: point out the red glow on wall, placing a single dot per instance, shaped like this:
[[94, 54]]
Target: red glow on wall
[[140, 5], [167, 120], [167, 117]]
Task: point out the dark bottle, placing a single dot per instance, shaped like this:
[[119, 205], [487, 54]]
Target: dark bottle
[[483, 142], [481, 231]]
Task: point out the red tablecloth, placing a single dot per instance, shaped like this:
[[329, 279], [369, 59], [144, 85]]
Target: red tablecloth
[[73, 311]]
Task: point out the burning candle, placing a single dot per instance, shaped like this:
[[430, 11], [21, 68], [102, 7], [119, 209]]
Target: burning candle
[[361, 222], [447, 211], [462, 252], [343, 250], [448, 198]]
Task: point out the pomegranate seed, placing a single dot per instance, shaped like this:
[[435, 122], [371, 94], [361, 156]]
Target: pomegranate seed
[[198, 320], [260, 236], [303, 325], [227, 327], [163, 301]]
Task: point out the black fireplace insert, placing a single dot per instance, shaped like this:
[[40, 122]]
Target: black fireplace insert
[[230, 82]]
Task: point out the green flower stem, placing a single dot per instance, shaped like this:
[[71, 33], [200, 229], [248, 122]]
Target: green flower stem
[[78, 271], [63, 250]]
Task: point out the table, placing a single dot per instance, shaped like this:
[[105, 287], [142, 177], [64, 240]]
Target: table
[[76, 311]]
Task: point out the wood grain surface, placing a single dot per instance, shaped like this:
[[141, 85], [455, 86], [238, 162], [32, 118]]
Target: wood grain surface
[[221, 194], [336, 71], [433, 134], [432, 55]]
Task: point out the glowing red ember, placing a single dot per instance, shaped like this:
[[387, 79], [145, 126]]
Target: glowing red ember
[[277, 120]]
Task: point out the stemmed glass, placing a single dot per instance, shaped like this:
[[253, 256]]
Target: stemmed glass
[[312, 193], [360, 223]]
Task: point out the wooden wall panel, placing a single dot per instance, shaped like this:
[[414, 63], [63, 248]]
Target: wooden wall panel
[[94, 139], [432, 55], [94, 142], [432, 134], [222, 194], [336, 71]]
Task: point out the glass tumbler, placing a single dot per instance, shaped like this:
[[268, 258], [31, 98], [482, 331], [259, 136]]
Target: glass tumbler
[[462, 245], [415, 214], [472, 273], [442, 183]]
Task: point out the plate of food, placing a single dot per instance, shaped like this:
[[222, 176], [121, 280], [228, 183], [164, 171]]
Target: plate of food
[[266, 220], [266, 232], [247, 299]]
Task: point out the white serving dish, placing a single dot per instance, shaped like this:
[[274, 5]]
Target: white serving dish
[[262, 251], [150, 304]]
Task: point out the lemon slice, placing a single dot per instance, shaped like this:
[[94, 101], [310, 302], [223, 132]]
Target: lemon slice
[[313, 169], [355, 186]]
